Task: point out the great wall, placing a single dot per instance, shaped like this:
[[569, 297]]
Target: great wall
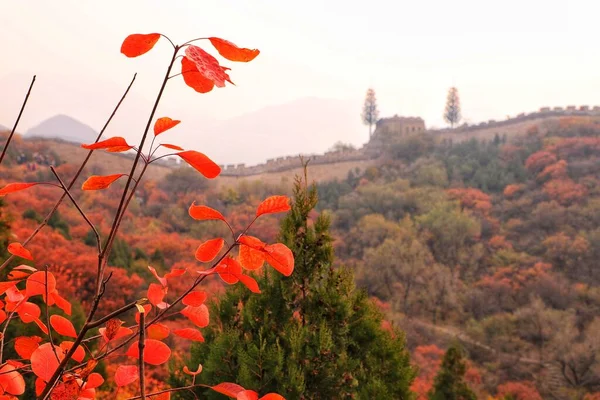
[[335, 164], [398, 126]]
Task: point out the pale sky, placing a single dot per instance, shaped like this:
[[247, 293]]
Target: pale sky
[[505, 57]]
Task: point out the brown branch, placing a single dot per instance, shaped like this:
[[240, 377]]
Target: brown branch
[[112, 315], [179, 389], [77, 174], [17, 121], [62, 184], [141, 345]]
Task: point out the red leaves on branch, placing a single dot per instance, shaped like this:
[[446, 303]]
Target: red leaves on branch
[[126, 374], [114, 330], [115, 144], [155, 352], [194, 299], [11, 381], [273, 204], [17, 249], [63, 326], [164, 124], [207, 65], [193, 78], [278, 255], [250, 258], [158, 331], [44, 361], [15, 187], [231, 52], [229, 270], [199, 316], [36, 284], [208, 250], [171, 146], [94, 380], [26, 345], [189, 333], [137, 44], [96, 182], [228, 389], [156, 294], [201, 163], [204, 213], [79, 353]]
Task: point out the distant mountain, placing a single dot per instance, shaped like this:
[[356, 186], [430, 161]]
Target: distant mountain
[[65, 128], [3, 128], [308, 125]]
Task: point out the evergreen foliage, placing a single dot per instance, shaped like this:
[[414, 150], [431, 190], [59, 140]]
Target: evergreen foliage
[[449, 382], [312, 335]]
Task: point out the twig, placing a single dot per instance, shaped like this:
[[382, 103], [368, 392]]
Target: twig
[[78, 208], [112, 315], [190, 387], [72, 183], [48, 315], [141, 345], [17, 121]]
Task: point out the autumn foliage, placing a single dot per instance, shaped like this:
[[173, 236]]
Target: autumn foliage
[[134, 336]]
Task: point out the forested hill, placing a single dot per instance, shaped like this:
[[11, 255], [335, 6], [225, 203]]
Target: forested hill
[[497, 241]]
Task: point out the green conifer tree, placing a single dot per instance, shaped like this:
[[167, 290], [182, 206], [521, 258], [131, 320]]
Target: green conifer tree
[[449, 382], [312, 335]]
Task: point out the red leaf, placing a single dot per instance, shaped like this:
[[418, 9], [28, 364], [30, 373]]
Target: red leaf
[[138, 44], [163, 281], [15, 187], [96, 182], [189, 333], [250, 258], [28, 312], [201, 163], [171, 146], [63, 326], [36, 284], [208, 250], [13, 295], [115, 144], [17, 249], [193, 78], [207, 65], [186, 370], [4, 286], [3, 316], [94, 380], [272, 396], [273, 204], [156, 293], [164, 124], [61, 303], [252, 242], [175, 272], [120, 333], [247, 395], [79, 354], [26, 345], [281, 258], [249, 282], [11, 381], [158, 331], [126, 374], [203, 213], [228, 389], [155, 352], [198, 315], [44, 362], [231, 52], [229, 270], [147, 308], [194, 299]]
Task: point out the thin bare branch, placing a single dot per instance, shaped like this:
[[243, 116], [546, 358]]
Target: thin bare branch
[[179, 389], [17, 121], [141, 345], [78, 208]]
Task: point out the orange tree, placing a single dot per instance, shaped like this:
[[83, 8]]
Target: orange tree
[[66, 360]]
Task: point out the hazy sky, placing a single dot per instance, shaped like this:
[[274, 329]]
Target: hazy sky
[[504, 56]]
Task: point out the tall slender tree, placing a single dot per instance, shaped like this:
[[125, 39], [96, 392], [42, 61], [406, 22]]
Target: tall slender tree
[[452, 111], [370, 113]]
